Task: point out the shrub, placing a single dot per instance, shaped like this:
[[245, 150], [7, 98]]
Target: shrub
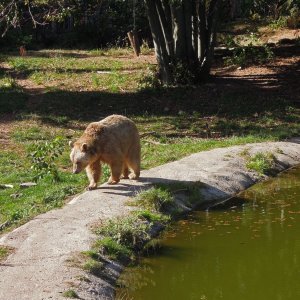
[[43, 156]]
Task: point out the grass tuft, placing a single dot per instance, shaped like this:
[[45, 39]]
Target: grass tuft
[[70, 294], [155, 199], [92, 266], [113, 249], [4, 252], [129, 231], [261, 162]]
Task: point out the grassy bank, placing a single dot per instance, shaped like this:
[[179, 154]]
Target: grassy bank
[[57, 93]]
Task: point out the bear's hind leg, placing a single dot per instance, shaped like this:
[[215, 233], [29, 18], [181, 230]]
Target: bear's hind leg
[[93, 172], [125, 171], [134, 165], [116, 171]]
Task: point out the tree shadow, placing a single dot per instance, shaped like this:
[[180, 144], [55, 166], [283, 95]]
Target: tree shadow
[[228, 94]]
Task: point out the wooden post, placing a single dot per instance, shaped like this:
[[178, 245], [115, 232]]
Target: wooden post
[[134, 41]]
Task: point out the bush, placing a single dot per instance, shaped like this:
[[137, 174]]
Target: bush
[[43, 156], [244, 55]]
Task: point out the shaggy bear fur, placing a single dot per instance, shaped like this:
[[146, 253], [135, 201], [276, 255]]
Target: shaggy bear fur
[[114, 140]]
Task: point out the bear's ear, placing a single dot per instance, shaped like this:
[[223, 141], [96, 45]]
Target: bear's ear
[[71, 144], [84, 147]]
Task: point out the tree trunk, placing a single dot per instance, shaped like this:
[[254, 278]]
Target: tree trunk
[[163, 58], [184, 33], [134, 41]]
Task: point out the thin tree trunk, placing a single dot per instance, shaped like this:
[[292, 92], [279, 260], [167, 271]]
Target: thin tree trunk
[[179, 31], [159, 43], [187, 12], [166, 26]]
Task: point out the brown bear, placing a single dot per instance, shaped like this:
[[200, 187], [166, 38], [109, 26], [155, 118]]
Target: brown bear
[[114, 140]]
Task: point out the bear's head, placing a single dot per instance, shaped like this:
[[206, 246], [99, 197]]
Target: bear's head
[[81, 156]]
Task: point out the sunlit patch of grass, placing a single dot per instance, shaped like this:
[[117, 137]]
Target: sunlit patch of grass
[[129, 231], [113, 249], [4, 252], [34, 133], [261, 162], [70, 294], [154, 199], [70, 64], [18, 205], [8, 83], [92, 266]]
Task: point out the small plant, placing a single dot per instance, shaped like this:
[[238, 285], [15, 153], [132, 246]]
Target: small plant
[[244, 55], [93, 266], [114, 250], [261, 162], [155, 199], [281, 22], [43, 156], [149, 80], [229, 41], [130, 231], [153, 216], [8, 83], [70, 294], [4, 251]]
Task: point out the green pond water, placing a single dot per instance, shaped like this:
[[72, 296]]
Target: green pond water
[[249, 250]]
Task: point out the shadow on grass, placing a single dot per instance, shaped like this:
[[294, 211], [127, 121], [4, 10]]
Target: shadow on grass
[[225, 96]]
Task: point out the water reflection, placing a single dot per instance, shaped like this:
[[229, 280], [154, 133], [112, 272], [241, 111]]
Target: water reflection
[[249, 250]]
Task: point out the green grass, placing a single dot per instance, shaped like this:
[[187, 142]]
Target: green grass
[[92, 266], [129, 231], [176, 121], [70, 294], [34, 133], [151, 216], [4, 252], [113, 249], [261, 162], [19, 205], [154, 199]]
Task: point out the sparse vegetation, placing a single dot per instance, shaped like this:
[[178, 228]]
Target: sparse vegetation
[[261, 162], [124, 237], [113, 249], [4, 251], [70, 294], [43, 156], [248, 52], [130, 231], [93, 266], [155, 199]]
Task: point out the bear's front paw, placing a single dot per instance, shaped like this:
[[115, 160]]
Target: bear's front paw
[[91, 187]]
